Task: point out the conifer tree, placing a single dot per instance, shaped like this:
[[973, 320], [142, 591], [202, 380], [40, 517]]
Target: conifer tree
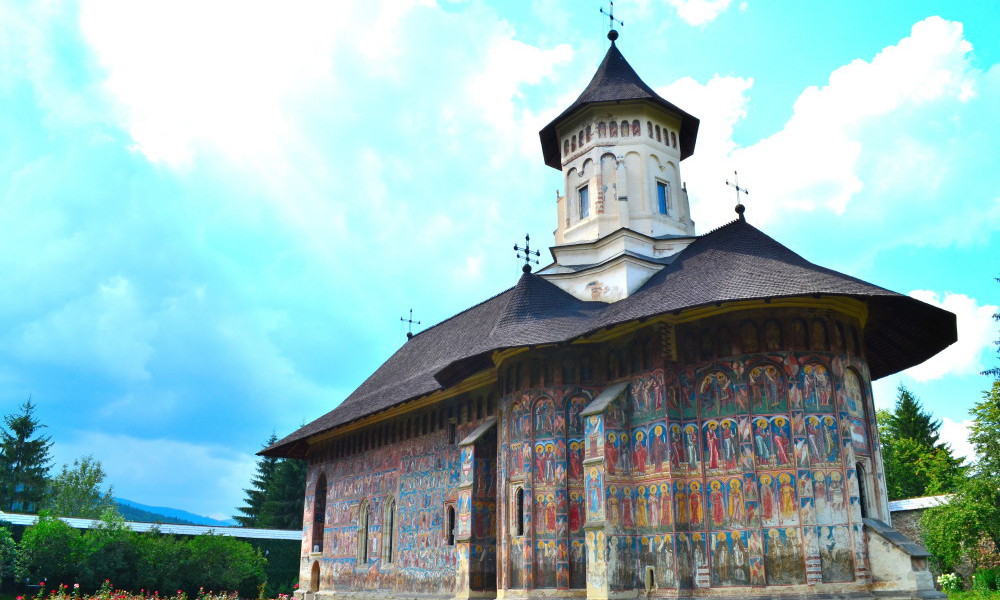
[[916, 462], [24, 461], [262, 482], [284, 501]]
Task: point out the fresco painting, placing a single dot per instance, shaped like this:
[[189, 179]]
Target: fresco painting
[[817, 389], [767, 389], [784, 562], [836, 553], [730, 558]]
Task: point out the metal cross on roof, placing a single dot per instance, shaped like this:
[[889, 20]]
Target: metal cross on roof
[[528, 253], [739, 205], [612, 34], [410, 322]]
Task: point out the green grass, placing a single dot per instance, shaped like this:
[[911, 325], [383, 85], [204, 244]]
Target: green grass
[[970, 595]]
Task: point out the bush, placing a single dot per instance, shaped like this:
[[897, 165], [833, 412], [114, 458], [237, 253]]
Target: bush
[[50, 549], [986, 579], [223, 563]]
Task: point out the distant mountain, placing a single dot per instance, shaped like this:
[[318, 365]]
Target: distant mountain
[[134, 511]]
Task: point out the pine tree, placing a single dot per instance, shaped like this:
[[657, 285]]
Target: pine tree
[[916, 462], [24, 461], [284, 500], [256, 494]]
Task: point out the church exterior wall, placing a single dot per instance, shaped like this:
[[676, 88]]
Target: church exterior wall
[[412, 463], [731, 463]]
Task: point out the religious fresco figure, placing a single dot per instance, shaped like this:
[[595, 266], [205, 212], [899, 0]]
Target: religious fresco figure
[[712, 448], [762, 441], [816, 388], [786, 498], [680, 500], [641, 506], [654, 506], [691, 446], [780, 441], [854, 399], [576, 460], [735, 504], [639, 452], [611, 453], [657, 446], [768, 502], [722, 559], [696, 500], [624, 455], [830, 442], [676, 446], [717, 394], [729, 443], [767, 389], [628, 508], [717, 504]]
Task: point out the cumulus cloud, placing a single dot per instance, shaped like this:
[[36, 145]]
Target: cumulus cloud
[[699, 12], [956, 435], [975, 335], [814, 161]]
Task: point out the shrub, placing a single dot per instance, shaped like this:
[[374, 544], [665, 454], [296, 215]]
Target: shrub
[[50, 549], [986, 579], [224, 563], [949, 582]]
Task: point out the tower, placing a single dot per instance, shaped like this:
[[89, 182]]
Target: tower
[[624, 210]]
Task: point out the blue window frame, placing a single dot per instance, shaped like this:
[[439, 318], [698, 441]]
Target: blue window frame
[[662, 196], [584, 198]]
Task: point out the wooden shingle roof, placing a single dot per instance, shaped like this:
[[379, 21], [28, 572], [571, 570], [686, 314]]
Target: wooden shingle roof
[[736, 262]]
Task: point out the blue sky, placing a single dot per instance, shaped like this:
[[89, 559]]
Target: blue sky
[[212, 215]]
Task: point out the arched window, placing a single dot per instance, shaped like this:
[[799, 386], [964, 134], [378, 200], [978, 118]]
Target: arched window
[[451, 526], [565, 147], [572, 143], [519, 500], [673, 139], [659, 138], [319, 512], [388, 530], [614, 128], [624, 129], [636, 128], [363, 533]]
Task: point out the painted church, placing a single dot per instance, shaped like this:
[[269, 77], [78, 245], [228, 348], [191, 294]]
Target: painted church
[[654, 413]]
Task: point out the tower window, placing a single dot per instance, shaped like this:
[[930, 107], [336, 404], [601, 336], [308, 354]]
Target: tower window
[[663, 197], [583, 196], [519, 501]]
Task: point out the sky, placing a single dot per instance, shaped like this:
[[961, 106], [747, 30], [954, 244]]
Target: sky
[[214, 214]]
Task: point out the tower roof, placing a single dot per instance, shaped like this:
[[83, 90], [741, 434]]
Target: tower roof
[[616, 81]]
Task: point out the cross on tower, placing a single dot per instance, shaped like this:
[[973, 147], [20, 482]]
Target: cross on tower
[[612, 34], [528, 253], [739, 205], [410, 322]]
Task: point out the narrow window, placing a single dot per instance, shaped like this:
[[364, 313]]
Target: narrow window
[[565, 147], [451, 525], [662, 196], [388, 530], [862, 490], [319, 513], [584, 201], [659, 138], [520, 511], [673, 139], [649, 128], [363, 534], [452, 432]]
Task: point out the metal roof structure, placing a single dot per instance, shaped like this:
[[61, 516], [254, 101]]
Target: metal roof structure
[[918, 503], [238, 532]]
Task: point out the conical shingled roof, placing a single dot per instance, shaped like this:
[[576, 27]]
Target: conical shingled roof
[[616, 81], [732, 263]]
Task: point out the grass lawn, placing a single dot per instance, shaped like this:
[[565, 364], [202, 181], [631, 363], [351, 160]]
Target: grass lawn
[[969, 595]]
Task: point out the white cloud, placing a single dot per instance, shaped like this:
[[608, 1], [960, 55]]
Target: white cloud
[[975, 335], [699, 12], [814, 160], [956, 435]]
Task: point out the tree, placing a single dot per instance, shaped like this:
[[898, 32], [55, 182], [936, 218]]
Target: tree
[[955, 531], [994, 372], [76, 491], [24, 461], [257, 492], [283, 503], [916, 462], [50, 549]]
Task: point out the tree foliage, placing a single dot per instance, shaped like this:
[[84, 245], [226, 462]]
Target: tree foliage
[[276, 494], [24, 461], [76, 491], [50, 549], [954, 531], [284, 501], [916, 462], [256, 494]]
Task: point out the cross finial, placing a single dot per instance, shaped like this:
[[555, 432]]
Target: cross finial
[[528, 253], [410, 322], [610, 14], [740, 209]]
